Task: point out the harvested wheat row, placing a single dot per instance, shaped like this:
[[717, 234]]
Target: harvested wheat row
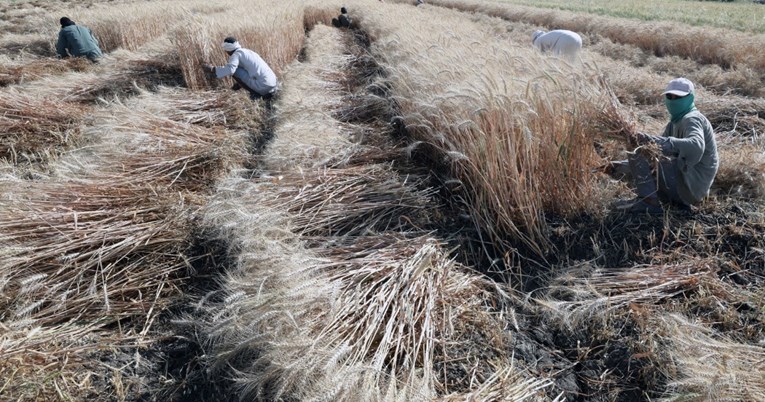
[[369, 321], [32, 126], [89, 251], [307, 135], [319, 200]]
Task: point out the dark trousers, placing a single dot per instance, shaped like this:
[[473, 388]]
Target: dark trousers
[[656, 182]]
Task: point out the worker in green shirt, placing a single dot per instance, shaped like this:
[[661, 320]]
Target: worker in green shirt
[[77, 41]]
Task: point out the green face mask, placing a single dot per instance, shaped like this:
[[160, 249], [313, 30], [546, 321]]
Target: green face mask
[[678, 108]]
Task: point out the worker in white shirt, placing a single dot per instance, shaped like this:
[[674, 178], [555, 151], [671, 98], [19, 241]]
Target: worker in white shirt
[[560, 42], [248, 70]]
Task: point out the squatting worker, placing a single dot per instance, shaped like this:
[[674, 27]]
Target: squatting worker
[[248, 70], [76, 41], [686, 172], [560, 42]]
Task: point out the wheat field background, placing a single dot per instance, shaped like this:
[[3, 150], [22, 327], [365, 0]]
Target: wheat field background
[[418, 215]]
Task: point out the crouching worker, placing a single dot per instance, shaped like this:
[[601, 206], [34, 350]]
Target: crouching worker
[[248, 70], [342, 20], [77, 41], [560, 42], [689, 164]]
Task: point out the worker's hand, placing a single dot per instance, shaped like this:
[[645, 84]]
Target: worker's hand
[[208, 68], [638, 139], [643, 138], [607, 168]]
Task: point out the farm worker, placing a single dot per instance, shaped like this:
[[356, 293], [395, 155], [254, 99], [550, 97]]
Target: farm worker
[[560, 42], [685, 172], [76, 41], [342, 20], [248, 70]]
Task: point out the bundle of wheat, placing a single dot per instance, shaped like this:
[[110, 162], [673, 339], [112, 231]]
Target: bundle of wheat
[[203, 108], [132, 146], [578, 294], [88, 250], [32, 126], [349, 202], [705, 365], [39, 68], [613, 121], [407, 308], [124, 79]]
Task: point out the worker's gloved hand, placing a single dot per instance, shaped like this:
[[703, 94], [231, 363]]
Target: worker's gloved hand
[[607, 168], [643, 138], [640, 139], [208, 68]]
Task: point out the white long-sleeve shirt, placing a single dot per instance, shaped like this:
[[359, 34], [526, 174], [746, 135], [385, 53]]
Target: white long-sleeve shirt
[[262, 78], [560, 42]]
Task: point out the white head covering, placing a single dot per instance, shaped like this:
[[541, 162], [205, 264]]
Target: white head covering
[[535, 35], [230, 47]]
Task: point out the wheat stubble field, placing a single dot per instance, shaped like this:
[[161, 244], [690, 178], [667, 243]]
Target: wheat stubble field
[[418, 215]]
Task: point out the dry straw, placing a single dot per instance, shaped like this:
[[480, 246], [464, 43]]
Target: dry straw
[[88, 251], [580, 294], [19, 74], [706, 365], [33, 127]]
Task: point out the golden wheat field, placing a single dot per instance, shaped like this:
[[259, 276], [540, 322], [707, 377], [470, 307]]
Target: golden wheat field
[[419, 214]]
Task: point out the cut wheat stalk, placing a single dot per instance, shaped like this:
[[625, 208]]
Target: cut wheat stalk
[[578, 295]]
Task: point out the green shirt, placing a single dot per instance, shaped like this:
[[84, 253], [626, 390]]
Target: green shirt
[[78, 40]]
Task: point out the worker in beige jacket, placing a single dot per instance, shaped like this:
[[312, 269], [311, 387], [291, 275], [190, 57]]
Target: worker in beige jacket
[[686, 172]]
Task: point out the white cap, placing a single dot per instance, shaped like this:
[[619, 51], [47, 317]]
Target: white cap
[[679, 87]]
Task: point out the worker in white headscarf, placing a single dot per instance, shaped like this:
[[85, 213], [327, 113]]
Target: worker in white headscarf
[[560, 42], [248, 70]]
